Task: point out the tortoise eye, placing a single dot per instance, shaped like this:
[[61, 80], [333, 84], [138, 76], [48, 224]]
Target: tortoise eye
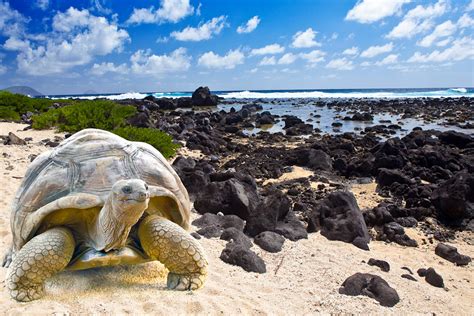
[[127, 189]]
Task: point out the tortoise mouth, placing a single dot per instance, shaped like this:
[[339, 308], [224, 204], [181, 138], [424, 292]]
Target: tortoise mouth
[[139, 199]]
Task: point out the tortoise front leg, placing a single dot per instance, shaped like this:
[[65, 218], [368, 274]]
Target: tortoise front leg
[[170, 244], [40, 258]]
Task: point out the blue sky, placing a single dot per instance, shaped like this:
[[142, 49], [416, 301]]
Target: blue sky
[[61, 47]]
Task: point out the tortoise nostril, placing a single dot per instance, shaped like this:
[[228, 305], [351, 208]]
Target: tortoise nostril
[[143, 195]]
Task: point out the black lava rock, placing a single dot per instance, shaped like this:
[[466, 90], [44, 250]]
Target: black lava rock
[[239, 255], [383, 265], [269, 241], [202, 97], [339, 218], [434, 278], [451, 253], [236, 236], [409, 277], [372, 286]]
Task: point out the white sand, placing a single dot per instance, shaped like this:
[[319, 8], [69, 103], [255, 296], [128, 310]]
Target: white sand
[[307, 281]]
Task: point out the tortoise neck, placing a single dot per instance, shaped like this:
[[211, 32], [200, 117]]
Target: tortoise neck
[[110, 231]]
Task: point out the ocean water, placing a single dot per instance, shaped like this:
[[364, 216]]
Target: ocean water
[[295, 94]]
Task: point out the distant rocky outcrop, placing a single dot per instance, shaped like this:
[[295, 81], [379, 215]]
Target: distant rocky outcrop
[[24, 90]]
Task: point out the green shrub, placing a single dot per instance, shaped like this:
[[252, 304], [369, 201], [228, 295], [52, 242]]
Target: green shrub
[[102, 114], [8, 113], [158, 139], [20, 104]]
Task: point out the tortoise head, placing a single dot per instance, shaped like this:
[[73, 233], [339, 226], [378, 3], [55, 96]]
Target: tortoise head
[[129, 199]]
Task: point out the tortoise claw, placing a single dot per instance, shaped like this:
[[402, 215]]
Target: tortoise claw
[[185, 282]]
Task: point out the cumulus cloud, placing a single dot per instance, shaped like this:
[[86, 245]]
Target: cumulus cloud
[[145, 63], [373, 51], [103, 68], [268, 50], [228, 61], [204, 31], [42, 4], [305, 39], [340, 64], [353, 51], [287, 59], [442, 30], [250, 26], [470, 7], [169, 11], [267, 61], [12, 22], [313, 57], [465, 21], [390, 59], [77, 37], [418, 20], [460, 49], [369, 11]]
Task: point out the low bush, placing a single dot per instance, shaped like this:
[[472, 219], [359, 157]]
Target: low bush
[[158, 139], [102, 114], [13, 105]]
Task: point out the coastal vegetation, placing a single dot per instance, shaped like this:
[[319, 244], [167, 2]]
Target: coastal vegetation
[[12, 105]]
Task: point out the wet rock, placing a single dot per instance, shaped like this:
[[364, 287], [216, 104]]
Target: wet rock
[[339, 218], [362, 117], [291, 121], [140, 119], [269, 241], [383, 265], [451, 254], [239, 255], [12, 139], [372, 286]]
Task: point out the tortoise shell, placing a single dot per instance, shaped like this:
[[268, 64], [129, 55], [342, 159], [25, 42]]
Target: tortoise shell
[[90, 162]]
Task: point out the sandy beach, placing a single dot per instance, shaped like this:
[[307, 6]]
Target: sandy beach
[[303, 278]]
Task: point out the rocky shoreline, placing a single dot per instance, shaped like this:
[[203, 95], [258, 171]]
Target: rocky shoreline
[[425, 179]]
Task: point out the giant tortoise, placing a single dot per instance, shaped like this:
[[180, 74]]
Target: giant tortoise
[[100, 200]]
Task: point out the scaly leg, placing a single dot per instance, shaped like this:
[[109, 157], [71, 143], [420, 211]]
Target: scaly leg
[[170, 244], [40, 258]]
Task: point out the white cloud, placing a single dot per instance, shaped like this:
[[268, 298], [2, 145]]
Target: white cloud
[[304, 39], [76, 38], [287, 59], [460, 49], [253, 70], [250, 26], [16, 44], [340, 64], [268, 50], [373, 51], [228, 61], [366, 64], [145, 63], [470, 7], [12, 22], [103, 68], [204, 31], [390, 59], [369, 11], [418, 20], [465, 21], [267, 61], [313, 57], [169, 11], [42, 4], [442, 30], [444, 42], [3, 69], [353, 51]]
